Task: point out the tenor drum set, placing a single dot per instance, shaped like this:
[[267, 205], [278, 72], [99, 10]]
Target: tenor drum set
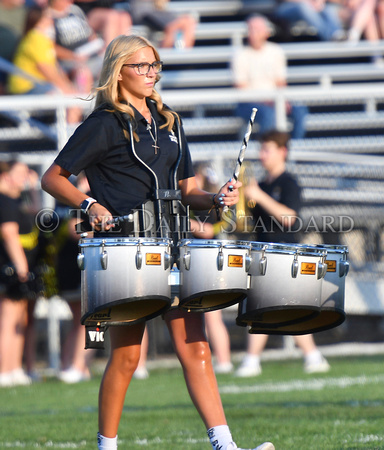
[[279, 288]]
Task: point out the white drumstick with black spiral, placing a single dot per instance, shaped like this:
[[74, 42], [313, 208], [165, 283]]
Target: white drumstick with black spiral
[[244, 144]]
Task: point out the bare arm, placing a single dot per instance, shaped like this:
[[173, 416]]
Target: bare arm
[[56, 77], [55, 182], [200, 200], [285, 215], [14, 249]]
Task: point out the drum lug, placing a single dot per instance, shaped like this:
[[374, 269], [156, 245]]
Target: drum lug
[[81, 261], [248, 262], [187, 260], [167, 260], [343, 268], [220, 260], [322, 268], [295, 267], [103, 257], [263, 261], [263, 265], [104, 260], [139, 259]]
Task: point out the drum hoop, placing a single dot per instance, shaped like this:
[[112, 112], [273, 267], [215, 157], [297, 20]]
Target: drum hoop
[[214, 243], [299, 249], [333, 249], [124, 242], [299, 252]]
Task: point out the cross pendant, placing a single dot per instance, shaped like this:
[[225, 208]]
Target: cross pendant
[[155, 147]]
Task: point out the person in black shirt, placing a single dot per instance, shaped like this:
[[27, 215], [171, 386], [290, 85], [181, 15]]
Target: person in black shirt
[[274, 202], [276, 205], [18, 252], [109, 153]]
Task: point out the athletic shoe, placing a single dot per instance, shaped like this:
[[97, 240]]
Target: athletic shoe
[[320, 366], [246, 371], [6, 379], [265, 446], [223, 368], [141, 373], [16, 377], [72, 376], [20, 378]]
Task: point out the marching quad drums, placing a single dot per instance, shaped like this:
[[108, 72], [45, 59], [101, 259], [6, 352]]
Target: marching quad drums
[[279, 288]]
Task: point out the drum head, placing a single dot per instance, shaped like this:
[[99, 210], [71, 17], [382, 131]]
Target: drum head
[[127, 312], [276, 317], [211, 301], [326, 320]]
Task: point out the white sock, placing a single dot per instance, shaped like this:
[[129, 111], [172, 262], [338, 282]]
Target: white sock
[[105, 443], [354, 35], [220, 438], [313, 357], [251, 360]]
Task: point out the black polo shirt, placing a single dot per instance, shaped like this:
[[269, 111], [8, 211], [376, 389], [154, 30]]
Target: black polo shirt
[[284, 189], [117, 180]]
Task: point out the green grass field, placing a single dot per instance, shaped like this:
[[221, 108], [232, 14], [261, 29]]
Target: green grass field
[[343, 409]]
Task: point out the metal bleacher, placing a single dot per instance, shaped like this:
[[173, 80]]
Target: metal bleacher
[[342, 84]]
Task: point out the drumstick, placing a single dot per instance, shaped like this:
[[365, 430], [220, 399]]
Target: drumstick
[[244, 145], [129, 218]]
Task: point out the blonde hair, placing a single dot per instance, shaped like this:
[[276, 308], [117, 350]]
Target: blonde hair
[[117, 53]]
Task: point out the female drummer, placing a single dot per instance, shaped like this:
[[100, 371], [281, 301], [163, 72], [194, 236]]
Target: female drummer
[[102, 147]]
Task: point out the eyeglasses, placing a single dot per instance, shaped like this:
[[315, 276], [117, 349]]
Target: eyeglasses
[[144, 68]]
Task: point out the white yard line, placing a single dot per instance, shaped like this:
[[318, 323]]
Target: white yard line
[[315, 384]]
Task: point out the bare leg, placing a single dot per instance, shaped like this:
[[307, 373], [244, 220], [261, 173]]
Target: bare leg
[[12, 332], [218, 336], [74, 353], [192, 349], [306, 343], [250, 366], [109, 22], [256, 343], [380, 17], [141, 370], [187, 25], [123, 360], [314, 361], [30, 338]]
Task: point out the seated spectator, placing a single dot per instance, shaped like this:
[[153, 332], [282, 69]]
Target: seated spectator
[[79, 50], [380, 17], [105, 20], [12, 18], [155, 15], [359, 18], [262, 66], [35, 57], [320, 15]]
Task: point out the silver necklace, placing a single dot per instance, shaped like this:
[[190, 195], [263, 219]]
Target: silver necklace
[[154, 137]]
